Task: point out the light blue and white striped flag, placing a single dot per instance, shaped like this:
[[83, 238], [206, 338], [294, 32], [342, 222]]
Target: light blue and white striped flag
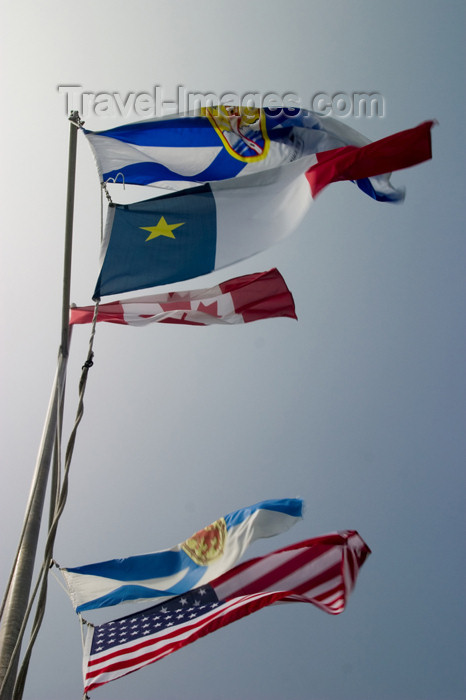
[[194, 562]]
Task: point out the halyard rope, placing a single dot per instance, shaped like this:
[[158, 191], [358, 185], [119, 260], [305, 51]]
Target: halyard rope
[[48, 550]]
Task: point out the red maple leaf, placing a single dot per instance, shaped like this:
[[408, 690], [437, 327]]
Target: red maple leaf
[[210, 309]]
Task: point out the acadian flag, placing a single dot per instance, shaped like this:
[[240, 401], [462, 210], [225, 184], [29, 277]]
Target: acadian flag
[[221, 143], [190, 233], [171, 572], [239, 300], [321, 571]]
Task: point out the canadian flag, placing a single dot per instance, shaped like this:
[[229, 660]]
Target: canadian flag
[[239, 300]]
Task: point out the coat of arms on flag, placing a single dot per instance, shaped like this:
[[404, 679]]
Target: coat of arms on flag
[[207, 544], [242, 130]]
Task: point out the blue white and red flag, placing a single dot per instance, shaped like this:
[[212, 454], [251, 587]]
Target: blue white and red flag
[[321, 571], [224, 142]]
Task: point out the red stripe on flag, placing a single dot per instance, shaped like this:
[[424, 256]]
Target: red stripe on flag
[[314, 571], [113, 313], [401, 150], [268, 575], [316, 580], [225, 615], [332, 540], [260, 295]]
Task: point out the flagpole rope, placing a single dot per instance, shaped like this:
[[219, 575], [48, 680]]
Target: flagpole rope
[[103, 189], [83, 642], [18, 589], [84, 623], [101, 214], [48, 550], [82, 632], [20, 543], [107, 193], [55, 485], [114, 180], [56, 577]]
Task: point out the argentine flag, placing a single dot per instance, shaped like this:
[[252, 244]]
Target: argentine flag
[[171, 572]]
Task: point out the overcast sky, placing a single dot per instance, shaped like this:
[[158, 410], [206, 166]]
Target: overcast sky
[[358, 408]]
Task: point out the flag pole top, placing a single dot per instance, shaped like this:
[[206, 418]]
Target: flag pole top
[[75, 119]]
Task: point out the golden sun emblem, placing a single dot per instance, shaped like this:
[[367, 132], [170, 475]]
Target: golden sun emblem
[[207, 544]]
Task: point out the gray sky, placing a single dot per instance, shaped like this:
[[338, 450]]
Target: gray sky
[[359, 407]]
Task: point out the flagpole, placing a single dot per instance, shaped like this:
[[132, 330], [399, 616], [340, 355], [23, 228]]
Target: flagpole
[[23, 570]]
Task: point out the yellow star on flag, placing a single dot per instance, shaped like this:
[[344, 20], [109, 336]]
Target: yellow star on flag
[[162, 229]]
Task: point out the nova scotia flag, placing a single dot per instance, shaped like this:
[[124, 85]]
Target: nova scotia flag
[[162, 575]]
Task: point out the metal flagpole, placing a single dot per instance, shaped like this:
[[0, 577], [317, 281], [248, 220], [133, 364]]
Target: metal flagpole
[[20, 583]]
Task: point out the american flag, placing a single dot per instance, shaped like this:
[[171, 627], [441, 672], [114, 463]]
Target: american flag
[[321, 571]]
